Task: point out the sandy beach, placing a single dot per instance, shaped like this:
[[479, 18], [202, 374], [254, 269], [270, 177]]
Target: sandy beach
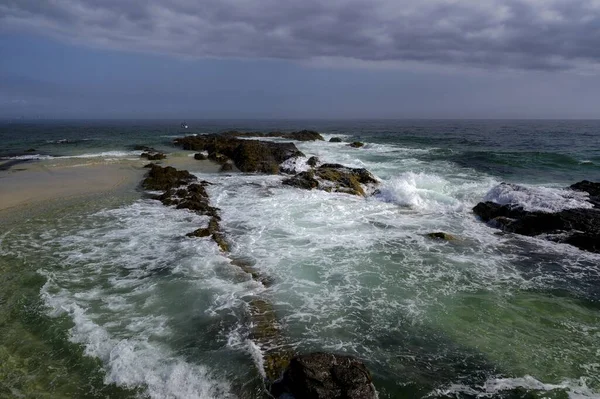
[[28, 185]]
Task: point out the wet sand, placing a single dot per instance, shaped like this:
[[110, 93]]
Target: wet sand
[[36, 183]]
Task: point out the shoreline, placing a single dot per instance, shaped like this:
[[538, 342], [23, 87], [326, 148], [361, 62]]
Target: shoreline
[[37, 185]]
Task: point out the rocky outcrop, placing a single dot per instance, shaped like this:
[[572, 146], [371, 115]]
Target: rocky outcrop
[[335, 140], [305, 180], [302, 135], [593, 189], [183, 190], [325, 376], [579, 227], [333, 178], [356, 144], [163, 179], [247, 155]]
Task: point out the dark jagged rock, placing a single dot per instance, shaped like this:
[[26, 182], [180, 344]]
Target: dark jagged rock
[[153, 156], [200, 157], [312, 161], [247, 155], [344, 179], [325, 376], [578, 227], [593, 189], [333, 177], [305, 180], [441, 236], [199, 233], [356, 144], [193, 197], [163, 179], [302, 135], [335, 140]]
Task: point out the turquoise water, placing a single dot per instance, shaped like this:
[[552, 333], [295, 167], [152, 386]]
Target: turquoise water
[[107, 297]]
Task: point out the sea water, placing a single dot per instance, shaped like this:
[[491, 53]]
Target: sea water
[[108, 298]]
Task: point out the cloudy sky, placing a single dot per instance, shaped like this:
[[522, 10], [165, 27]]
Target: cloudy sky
[[300, 59]]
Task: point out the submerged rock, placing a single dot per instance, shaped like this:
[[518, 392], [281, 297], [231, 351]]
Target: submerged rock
[[335, 140], [200, 157], [579, 227], [356, 144], [325, 376], [247, 155], [441, 236]]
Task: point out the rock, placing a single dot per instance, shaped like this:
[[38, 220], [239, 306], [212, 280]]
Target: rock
[[325, 376], [247, 155], [312, 161], [593, 189], [153, 156], [442, 236], [226, 167], [335, 140], [31, 150], [218, 158], [200, 157], [356, 144], [305, 180], [302, 135], [333, 178], [163, 179], [578, 227], [199, 233]]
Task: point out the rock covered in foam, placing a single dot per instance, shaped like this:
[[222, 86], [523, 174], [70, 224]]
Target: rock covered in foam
[[579, 227], [593, 189], [333, 178], [325, 376]]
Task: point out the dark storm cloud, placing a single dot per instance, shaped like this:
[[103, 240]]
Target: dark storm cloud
[[523, 34]]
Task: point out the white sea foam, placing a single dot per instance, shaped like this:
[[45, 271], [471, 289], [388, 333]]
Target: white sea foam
[[535, 198], [28, 157], [103, 154], [116, 298], [575, 389], [349, 272]]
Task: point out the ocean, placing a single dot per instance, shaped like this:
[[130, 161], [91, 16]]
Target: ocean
[[106, 297]]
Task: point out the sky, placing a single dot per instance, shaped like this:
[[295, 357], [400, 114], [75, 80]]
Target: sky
[[309, 59]]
